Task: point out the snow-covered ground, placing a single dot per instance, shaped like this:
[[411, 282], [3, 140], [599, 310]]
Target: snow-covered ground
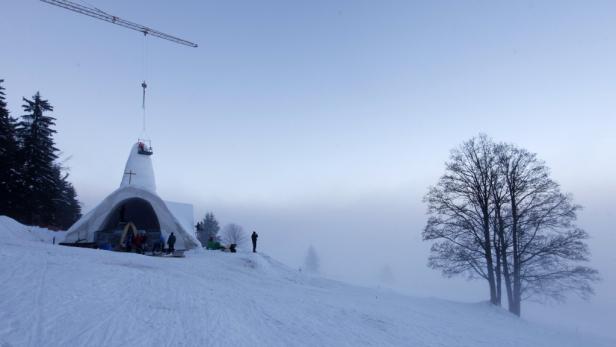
[[61, 296], [12, 231]]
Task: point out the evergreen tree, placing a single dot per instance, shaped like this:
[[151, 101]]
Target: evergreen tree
[[312, 263], [37, 155], [67, 209], [207, 228], [9, 174]]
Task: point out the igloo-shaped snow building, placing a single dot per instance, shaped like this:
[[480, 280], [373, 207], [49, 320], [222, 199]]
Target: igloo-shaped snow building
[[137, 203]]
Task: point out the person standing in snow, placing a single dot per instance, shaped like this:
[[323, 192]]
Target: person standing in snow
[[128, 238], [171, 243], [144, 242], [160, 245], [254, 241], [137, 242]]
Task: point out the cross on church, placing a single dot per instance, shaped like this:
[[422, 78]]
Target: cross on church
[[130, 174]]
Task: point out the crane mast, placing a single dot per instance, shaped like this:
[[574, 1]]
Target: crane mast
[[99, 14]]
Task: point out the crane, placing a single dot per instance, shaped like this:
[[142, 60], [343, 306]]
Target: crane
[[99, 14], [145, 146]]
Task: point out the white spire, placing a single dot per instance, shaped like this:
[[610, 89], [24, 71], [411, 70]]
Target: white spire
[[138, 171]]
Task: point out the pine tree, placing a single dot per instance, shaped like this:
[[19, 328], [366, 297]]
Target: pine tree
[[311, 263], [37, 155], [8, 159], [67, 209], [208, 228]]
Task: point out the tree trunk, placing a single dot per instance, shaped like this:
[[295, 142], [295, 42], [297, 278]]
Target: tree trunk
[[504, 261], [507, 275], [497, 250], [488, 255], [517, 283]]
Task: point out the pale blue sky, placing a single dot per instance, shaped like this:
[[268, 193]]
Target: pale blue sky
[[285, 100], [334, 115]]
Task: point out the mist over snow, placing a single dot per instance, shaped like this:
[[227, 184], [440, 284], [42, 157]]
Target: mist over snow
[[96, 297], [357, 234], [355, 239]]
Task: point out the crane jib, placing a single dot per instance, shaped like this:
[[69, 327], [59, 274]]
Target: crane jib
[[96, 13]]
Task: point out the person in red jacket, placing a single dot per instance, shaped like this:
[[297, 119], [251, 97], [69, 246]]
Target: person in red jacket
[[138, 242]]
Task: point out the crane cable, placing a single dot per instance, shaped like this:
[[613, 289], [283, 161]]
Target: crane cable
[[143, 84]]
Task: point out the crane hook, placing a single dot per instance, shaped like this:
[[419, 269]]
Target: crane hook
[[143, 85]]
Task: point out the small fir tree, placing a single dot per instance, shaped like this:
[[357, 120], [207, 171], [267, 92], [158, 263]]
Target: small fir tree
[[208, 228], [312, 263]]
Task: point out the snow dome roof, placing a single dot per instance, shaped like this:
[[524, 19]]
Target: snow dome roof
[[138, 171], [85, 229], [138, 184]]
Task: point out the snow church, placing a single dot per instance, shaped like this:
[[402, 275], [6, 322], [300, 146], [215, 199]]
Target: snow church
[[135, 207]]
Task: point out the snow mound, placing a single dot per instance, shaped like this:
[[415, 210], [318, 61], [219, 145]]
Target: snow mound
[[14, 231], [63, 296]]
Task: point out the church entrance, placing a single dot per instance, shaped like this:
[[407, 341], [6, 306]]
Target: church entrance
[[131, 217]]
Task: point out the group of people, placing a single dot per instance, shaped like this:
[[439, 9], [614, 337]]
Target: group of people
[[136, 242], [160, 245], [213, 244]]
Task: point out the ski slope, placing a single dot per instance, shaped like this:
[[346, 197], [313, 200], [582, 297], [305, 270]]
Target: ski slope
[[61, 296]]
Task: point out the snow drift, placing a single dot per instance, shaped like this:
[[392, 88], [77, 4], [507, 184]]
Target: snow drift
[[63, 296], [12, 231]]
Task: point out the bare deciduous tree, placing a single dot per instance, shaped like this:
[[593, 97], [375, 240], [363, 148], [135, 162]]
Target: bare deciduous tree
[[546, 245], [233, 234], [460, 214], [386, 275], [496, 214]]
